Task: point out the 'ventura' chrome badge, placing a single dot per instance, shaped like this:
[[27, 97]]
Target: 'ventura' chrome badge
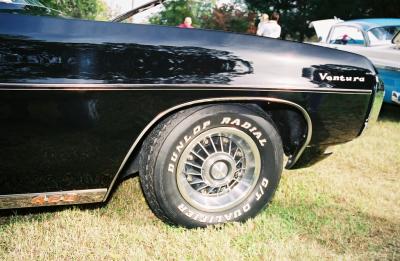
[[340, 78]]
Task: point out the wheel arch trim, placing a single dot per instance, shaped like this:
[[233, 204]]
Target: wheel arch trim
[[292, 160]]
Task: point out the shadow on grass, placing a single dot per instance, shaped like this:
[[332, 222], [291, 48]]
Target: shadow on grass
[[390, 112], [118, 183], [339, 229], [8, 216]]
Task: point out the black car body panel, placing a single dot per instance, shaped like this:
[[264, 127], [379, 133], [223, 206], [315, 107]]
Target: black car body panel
[[76, 96]]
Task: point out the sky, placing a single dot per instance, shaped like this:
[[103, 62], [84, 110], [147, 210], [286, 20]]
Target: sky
[[124, 5]]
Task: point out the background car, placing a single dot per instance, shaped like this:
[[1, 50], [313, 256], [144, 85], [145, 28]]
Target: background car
[[371, 38]]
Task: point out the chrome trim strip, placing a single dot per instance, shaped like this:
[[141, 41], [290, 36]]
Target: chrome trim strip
[[164, 87], [292, 160], [59, 198]]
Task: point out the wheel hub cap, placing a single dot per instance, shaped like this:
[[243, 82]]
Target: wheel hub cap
[[218, 169]]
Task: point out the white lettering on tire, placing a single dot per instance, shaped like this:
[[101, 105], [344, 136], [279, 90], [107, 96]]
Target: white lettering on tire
[[213, 219], [261, 189], [182, 143], [246, 125]]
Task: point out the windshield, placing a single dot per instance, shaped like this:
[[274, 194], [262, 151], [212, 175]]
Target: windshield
[[27, 7], [382, 35]]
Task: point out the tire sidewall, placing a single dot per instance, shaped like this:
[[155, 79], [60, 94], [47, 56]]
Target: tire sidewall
[[268, 144]]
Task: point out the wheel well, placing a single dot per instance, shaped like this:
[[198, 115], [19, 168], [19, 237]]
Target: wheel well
[[289, 121]]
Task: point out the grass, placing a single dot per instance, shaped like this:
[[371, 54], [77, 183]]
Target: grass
[[345, 207]]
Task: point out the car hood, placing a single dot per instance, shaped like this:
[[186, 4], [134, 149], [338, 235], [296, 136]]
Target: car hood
[[381, 56]]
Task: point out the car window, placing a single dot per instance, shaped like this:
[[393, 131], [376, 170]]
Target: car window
[[28, 2], [382, 35], [347, 35]]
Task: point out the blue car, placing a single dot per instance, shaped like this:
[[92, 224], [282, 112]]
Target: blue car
[[373, 38]]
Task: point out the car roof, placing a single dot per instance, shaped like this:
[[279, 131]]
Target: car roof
[[368, 24]]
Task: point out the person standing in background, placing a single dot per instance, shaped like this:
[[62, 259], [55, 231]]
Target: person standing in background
[[272, 28], [187, 23], [252, 28], [263, 21]]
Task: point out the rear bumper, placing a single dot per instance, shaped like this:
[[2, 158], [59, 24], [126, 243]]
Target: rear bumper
[[376, 104]]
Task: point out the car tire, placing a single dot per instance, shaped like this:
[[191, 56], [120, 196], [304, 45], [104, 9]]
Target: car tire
[[211, 164]]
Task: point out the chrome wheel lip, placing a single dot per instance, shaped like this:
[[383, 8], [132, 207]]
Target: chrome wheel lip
[[231, 197]]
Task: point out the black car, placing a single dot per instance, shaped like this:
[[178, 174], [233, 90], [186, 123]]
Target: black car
[[205, 117]]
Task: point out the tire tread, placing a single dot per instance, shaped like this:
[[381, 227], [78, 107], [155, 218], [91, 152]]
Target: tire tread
[[148, 157]]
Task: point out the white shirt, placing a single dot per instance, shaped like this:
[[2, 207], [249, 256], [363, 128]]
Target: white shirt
[[269, 29]]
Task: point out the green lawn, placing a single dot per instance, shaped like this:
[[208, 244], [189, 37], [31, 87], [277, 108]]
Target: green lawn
[[345, 207]]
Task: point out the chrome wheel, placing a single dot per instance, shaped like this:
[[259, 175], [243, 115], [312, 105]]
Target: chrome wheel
[[218, 169]]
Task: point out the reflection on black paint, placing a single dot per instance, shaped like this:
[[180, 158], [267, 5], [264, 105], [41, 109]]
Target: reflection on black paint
[[80, 112], [117, 63], [315, 71]]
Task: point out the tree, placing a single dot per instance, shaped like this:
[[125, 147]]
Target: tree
[[86, 9], [175, 12], [233, 17], [297, 14]]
